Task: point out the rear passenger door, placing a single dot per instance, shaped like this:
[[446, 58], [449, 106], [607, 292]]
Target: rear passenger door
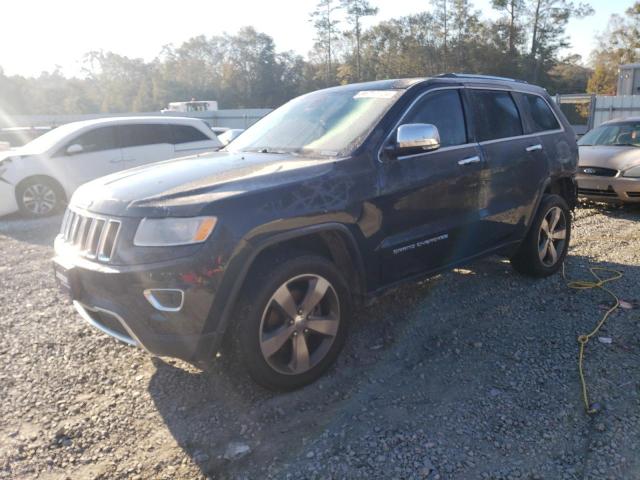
[[516, 166], [144, 143], [188, 139], [539, 120]]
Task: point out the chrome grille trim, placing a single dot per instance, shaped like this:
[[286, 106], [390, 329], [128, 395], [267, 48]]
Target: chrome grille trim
[[93, 236], [108, 240]]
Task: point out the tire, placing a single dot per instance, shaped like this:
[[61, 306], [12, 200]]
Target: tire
[[268, 332], [39, 197], [541, 254]]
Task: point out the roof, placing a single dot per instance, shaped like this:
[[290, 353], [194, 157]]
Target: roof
[[447, 78], [135, 119]]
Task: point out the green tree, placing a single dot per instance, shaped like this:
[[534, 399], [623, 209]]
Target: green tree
[[326, 27], [357, 10], [548, 20], [441, 14], [513, 11], [619, 44]]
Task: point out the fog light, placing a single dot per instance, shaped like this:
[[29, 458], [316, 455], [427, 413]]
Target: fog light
[[165, 299]]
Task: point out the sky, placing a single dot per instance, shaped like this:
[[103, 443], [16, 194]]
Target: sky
[[39, 35]]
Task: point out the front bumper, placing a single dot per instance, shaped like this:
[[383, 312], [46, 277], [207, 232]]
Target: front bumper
[[609, 189], [112, 299]]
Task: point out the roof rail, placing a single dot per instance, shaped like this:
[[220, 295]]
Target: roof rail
[[479, 77]]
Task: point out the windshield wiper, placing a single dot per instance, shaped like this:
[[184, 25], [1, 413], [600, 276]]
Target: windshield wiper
[[266, 150], [625, 145]]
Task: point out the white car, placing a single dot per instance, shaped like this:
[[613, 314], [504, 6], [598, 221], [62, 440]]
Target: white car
[[39, 177], [230, 135]]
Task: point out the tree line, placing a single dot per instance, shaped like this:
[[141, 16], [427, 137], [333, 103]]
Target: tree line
[[245, 70]]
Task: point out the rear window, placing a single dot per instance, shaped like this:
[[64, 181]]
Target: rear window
[[144, 134], [186, 134], [540, 115], [495, 115]]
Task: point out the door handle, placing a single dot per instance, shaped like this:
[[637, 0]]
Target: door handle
[[467, 161], [115, 160], [533, 148]]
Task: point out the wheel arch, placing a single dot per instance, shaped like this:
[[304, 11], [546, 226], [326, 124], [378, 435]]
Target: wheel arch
[[331, 240], [564, 187], [47, 178]]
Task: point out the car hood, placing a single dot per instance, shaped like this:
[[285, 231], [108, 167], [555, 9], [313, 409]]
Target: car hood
[[182, 186], [619, 158]]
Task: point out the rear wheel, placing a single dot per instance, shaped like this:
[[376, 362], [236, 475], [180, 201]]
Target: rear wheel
[[39, 197], [543, 250], [293, 325]]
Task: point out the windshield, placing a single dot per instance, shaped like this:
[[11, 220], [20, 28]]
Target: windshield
[[329, 123], [617, 134], [49, 139]]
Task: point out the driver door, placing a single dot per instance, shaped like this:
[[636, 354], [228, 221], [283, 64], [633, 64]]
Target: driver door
[[100, 156], [431, 200]]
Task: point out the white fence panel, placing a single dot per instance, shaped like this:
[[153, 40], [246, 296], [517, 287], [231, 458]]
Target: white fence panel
[[621, 106]]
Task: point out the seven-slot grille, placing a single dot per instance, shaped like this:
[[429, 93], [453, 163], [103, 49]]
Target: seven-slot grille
[[93, 237]]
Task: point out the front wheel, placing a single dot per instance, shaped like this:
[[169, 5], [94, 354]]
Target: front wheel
[[292, 321], [39, 197], [544, 248]]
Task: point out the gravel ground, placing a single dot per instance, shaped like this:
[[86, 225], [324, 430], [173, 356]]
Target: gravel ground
[[471, 374]]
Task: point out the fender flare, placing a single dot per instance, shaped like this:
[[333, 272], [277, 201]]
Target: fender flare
[[252, 250]]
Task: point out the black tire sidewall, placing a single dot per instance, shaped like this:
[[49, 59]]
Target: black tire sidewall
[[527, 259], [249, 316]]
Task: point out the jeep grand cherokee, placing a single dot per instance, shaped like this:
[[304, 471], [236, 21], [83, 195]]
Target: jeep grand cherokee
[[268, 245]]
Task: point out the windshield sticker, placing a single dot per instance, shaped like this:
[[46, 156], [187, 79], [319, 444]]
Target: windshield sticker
[[375, 94]]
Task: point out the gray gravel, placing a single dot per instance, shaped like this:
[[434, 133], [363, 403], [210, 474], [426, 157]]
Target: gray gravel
[[471, 374]]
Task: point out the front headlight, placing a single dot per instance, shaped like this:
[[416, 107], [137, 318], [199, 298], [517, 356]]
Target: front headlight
[[167, 232], [633, 172]]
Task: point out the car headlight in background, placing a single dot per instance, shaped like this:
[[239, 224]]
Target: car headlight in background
[[166, 232], [633, 172]]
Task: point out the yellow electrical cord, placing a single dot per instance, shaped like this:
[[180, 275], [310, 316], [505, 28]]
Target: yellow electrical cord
[[584, 339]]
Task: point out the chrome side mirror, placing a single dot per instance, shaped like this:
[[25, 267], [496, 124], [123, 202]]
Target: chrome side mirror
[[417, 136], [74, 149]]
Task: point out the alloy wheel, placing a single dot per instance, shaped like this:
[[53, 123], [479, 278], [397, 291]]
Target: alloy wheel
[[552, 236], [299, 324], [39, 199]]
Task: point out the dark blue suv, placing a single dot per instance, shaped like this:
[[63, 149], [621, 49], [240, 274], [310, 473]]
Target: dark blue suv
[[265, 247]]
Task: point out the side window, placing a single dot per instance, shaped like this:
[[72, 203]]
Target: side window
[[186, 134], [540, 115], [96, 140], [136, 135], [444, 110], [495, 115]]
